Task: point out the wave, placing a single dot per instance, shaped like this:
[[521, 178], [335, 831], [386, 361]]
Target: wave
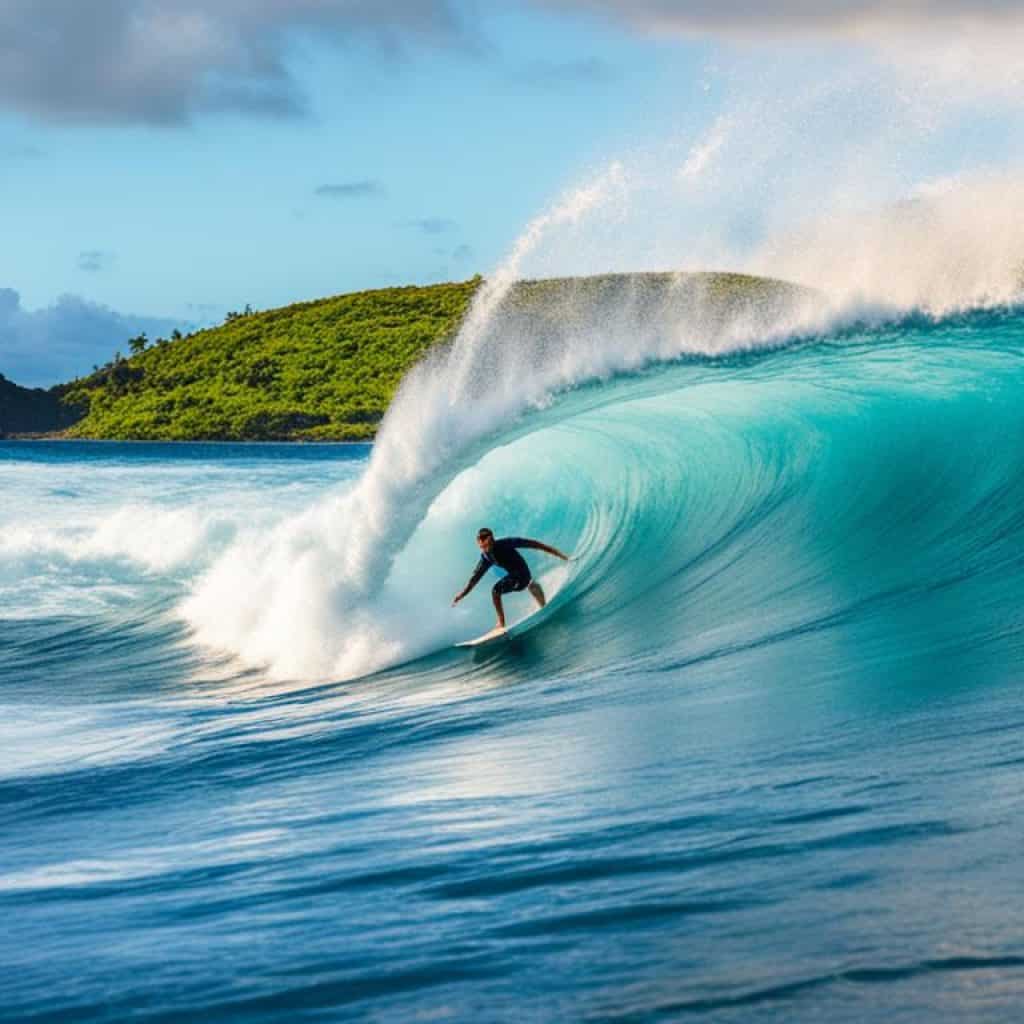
[[716, 504], [344, 588]]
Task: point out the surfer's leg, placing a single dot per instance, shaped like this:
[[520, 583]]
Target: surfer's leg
[[538, 593], [496, 592]]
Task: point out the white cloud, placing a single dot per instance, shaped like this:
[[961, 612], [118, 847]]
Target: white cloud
[[46, 346], [968, 41], [163, 60], [859, 18]]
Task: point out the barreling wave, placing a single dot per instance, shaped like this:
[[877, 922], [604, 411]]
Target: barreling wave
[[715, 502], [359, 581]]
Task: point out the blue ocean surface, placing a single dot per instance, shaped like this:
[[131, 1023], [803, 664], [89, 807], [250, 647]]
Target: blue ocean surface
[[763, 760]]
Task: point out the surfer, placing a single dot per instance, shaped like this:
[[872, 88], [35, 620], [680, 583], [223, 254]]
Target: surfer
[[503, 554]]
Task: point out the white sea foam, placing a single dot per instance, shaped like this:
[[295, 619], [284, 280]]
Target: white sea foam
[[92, 542]]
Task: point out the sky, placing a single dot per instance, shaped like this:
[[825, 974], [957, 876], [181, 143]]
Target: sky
[[165, 161]]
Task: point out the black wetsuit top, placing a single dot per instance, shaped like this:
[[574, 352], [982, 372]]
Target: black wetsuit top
[[505, 556]]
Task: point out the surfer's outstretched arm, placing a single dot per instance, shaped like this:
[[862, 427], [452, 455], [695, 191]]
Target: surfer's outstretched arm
[[526, 542], [481, 567]]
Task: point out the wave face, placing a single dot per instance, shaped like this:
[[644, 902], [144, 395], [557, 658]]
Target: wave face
[[321, 597], [761, 759], [317, 598], [656, 473]]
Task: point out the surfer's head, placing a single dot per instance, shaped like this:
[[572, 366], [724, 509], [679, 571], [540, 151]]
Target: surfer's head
[[485, 538]]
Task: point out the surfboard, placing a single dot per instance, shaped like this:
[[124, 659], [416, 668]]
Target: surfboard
[[495, 634], [519, 626]]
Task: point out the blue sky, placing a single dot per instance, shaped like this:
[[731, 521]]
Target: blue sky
[[158, 169]]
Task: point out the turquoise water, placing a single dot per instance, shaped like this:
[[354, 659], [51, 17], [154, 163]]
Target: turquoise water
[[761, 763]]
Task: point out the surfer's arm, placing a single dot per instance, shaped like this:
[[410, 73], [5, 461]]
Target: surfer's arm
[[526, 542], [481, 567]]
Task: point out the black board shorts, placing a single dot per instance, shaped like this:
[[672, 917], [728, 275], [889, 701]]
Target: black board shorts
[[509, 583]]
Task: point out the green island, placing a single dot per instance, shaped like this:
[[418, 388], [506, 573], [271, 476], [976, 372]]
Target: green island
[[324, 370], [32, 410]]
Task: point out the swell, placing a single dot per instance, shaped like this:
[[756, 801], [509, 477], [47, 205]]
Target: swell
[[716, 506], [832, 488], [273, 600], [719, 508]]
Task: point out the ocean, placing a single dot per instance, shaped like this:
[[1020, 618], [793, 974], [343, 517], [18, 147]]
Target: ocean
[[762, 761]]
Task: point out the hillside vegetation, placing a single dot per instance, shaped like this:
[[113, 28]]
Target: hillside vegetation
[[327, 370], [32, 410], [323, 370]]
